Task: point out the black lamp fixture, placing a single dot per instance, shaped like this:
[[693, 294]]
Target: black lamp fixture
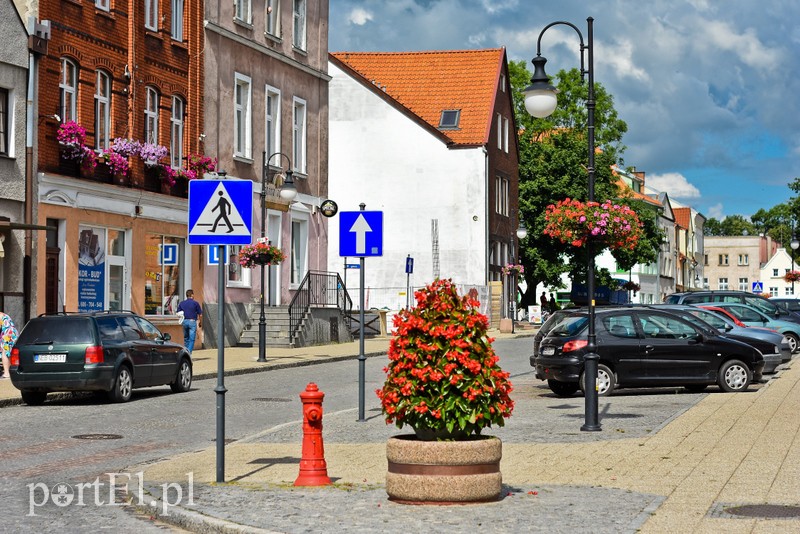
[[287, 191], [541, 101]]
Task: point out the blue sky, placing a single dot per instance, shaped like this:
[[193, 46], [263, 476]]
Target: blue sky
[[709, 88]]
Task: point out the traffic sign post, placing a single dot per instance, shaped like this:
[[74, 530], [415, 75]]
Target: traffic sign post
[[221, 214], [409, 270]]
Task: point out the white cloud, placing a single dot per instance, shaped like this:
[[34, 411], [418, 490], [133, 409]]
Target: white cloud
[[674, 184], [493, 6], [359, 16], [715, 212]]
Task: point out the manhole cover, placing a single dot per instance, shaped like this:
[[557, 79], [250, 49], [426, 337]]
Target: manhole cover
[[772, 511], [272, 399], [97, 436]]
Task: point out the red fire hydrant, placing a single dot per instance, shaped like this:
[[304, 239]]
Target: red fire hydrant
[[313, 469]]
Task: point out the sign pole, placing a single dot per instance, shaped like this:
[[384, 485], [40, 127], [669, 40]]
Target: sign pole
[[220, 389], [362, 359]]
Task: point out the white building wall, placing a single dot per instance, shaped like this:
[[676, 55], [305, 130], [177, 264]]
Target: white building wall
[[384, 159]]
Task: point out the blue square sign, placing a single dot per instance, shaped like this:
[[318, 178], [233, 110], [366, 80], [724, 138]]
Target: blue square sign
[[361, 233]]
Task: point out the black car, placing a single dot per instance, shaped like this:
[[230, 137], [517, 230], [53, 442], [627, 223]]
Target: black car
[[113, 352], [765, 305], [644, 347]]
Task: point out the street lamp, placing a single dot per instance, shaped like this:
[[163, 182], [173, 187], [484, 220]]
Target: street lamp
[[522, 233], [288, 192], [794, 244], [540, 101]]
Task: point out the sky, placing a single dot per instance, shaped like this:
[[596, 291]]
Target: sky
[[710, 89]]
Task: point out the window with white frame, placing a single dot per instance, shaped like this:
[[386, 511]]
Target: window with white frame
[[272, 120], [235, 274], [242, 11], [176, 133], [102, 113], [273, 25], [299, 252], [705, 283], [773, 292], [499, 131], [503, 82], [789, 291], [501, 195], [743, 285], [299, 135], [241, 117], [68, 87], [102, 4], [774, 272], [744, 259], [151, 115], [723, 283], [176, 28], [299, 17], [5, 132], [505, 135], [151, 14]]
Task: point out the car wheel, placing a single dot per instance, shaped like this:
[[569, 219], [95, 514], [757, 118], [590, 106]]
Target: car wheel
[[734, 375], [123, 385], [696, 388], [562, 389], [794, 341], [606, 381], [34, 398], [183, 381]]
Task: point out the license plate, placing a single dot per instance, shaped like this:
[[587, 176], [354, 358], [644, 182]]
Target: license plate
[[548, 351], [49, 358]]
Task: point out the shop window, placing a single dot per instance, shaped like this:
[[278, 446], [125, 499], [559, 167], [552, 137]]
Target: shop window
[[164, 273]]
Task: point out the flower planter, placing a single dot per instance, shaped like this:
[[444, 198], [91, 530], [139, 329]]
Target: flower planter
[[444, 472]]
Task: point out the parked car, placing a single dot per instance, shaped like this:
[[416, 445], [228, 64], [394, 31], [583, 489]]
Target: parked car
[[791, 304], [645, 347], [552, 320], [774, 346], [755, 317], [113, 352], [786, 349], [741, 297]]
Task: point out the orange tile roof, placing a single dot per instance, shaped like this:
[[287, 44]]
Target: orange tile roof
[[634, 194], [426, 83], [682, 217]]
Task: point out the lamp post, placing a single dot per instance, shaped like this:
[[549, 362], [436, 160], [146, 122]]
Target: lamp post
[[540, 101], [794, 244], [288, 191], [522, 233]]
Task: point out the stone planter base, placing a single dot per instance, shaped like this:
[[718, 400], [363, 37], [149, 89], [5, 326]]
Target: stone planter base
[[444, 472]]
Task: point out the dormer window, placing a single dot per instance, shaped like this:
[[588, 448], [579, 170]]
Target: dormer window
[[449, 119]]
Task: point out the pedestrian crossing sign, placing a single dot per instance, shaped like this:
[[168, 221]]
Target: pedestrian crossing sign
[[220, 212]]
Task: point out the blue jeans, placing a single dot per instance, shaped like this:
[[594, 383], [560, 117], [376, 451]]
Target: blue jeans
[[189, 331]]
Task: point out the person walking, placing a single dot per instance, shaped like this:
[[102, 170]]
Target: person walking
[[553, 303], [8, 336], [192, 318], [543, 302]]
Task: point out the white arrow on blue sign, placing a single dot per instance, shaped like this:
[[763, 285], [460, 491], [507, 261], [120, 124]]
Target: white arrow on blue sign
[[361, 233]]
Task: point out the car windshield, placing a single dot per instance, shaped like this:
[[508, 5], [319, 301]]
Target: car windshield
[[762, 305], [57, 330], [569, 326], [710, 317]]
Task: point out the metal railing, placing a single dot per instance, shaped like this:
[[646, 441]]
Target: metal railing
[[318, 289]]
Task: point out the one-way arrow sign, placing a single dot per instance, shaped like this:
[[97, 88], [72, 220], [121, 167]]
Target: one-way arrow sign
[[361, 233]]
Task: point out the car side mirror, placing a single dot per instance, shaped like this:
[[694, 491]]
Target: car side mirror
[[728, 327], [166, 336]]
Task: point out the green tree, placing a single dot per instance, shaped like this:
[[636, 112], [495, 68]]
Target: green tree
[[553, 166]]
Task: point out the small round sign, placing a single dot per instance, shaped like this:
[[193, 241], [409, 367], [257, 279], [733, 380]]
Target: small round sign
[[329, 208]]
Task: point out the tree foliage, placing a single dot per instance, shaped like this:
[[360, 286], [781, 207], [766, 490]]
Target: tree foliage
[[553, 166]]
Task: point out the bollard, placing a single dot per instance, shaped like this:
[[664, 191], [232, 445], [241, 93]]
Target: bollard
[[313, 469]]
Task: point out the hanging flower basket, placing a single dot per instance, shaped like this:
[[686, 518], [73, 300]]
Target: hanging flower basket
[[514, 269], [614, 225], [631, 286], [792, 276], [260, 253]]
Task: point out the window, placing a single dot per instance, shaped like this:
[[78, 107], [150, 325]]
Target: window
[[449, 118], [5, 148], [241, 117], [744, 259], [273, 25], [501, 195], [743, 284], [102, 114], [789, 291], [299, 248], [299, 135], [503, 82], [505, 135], [786, 271], [705, 259], [176, 29], [176, 133], [299, 16], [236, 275], [775, 272], [705, 283], [723, 283], [723, 259], [273, 120], [102, 4], [773, 292], [151, 14], [162, 281], [151, 116], [68, 86], [243, 12], [499, 131]]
